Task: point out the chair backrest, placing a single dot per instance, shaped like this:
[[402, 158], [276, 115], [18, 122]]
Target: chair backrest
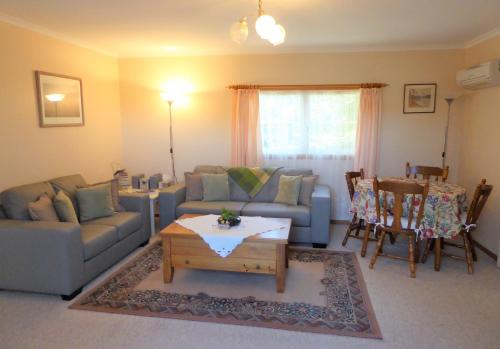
[[481, 195], [427, 171], [352, 179], [399, 190]]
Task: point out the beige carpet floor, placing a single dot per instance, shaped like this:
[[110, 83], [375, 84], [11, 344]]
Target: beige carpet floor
[[449, 309]]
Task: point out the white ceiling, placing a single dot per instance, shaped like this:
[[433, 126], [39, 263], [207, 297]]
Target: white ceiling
[[131, 28]]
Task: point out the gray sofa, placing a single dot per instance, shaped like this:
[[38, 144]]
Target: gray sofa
[[59, 257], [309, 224]]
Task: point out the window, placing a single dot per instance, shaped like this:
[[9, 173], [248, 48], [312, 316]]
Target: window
[[300, 124]]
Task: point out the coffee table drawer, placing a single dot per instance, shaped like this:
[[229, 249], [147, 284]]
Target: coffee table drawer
[[226, 264], [252, 250]]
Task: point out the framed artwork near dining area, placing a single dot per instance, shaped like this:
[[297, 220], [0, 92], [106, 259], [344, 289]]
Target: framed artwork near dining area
[[419, 98]]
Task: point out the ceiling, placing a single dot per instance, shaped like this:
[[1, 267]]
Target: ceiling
[[131, 28]]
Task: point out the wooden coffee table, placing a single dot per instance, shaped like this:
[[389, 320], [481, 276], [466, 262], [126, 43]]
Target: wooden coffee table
[[264, 253]]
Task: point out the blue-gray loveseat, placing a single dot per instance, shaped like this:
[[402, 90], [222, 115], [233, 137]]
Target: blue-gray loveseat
[[59, 257], [310, 224]]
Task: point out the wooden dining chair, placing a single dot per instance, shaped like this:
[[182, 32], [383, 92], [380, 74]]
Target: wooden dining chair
[[356, 223], [390, 218], [469, 223], [427, 172]]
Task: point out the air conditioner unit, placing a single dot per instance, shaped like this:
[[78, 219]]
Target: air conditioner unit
[[480, 76]]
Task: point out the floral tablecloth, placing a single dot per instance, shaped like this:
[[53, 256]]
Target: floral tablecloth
[[444, 207]]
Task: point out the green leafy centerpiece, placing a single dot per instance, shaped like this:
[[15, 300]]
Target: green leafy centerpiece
[[228, 219]]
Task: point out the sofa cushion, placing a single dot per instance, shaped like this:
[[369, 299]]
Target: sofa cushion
[[209, 207], [288, 190], [69, 184], [270, 189], [126, 223], [215, 187], [194, 186], [43, 209], [236, 193], [15, 200], [2, 212], [95, 202], [300, 215], [306, 190], [209, 169], [97, 238], [64, 207]]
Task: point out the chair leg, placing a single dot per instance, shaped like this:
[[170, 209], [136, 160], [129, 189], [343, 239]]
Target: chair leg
[[364, 247], [426, 250], [392, 238], [411, 255], [358, 228], [433, 242], [347, 235], [472, 247], [437, 254], [417, 249], [378, 250], [468, 254]]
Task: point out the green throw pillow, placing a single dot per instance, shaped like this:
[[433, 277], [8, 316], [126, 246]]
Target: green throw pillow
[[64, 207], [215, 187], [288, 190], [95, 202]]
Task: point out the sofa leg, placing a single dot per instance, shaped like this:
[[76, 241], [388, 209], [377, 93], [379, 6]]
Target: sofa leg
[[316, 245], [144, 243], [71, 296]]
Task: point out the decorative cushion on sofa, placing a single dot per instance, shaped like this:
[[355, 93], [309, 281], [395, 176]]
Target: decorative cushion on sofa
[[209, 207], [64, 208], [209, 169], [2, 212], [69, 184], [95, 202], [97, 238], [194, 186], [43, 209], [215, 187], [15, 200], [300, 215], [306, 190], [125, 223], [270, 189], [115, 195], [288, 190]]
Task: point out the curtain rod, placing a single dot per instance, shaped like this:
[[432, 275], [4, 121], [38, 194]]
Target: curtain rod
[[308, 87]]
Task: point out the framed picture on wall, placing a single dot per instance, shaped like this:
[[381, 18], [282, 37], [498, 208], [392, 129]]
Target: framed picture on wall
[[419, 98], [60, 101]]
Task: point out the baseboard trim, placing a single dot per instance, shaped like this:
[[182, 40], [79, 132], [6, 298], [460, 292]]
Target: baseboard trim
[[488, 252], [339, 221]]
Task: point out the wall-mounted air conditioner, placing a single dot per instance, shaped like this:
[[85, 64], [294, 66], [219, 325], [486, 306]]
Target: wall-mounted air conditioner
[[480, 76]]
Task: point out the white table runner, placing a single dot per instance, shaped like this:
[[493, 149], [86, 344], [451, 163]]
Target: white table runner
[[224, 241]]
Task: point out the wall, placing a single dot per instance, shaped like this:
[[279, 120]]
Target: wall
[[481, 143], [202, 128], [29, 153]]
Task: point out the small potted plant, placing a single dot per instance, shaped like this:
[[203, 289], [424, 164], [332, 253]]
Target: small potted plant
[[227, 219]]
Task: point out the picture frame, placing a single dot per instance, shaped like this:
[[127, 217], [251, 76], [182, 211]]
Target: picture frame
[[60, 100], [419, 98]]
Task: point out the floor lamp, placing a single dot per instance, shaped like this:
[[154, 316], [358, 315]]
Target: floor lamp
[[448, 100], [170, 99]]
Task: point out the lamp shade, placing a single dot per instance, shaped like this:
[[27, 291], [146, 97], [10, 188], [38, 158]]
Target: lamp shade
[[239, 31], [264, 26], [55, 97], [278, 35]]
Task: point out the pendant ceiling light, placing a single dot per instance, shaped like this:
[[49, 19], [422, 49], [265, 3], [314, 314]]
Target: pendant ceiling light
[[265, 26]]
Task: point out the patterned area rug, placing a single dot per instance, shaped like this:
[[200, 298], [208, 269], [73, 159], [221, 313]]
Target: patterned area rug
[[324, 293]]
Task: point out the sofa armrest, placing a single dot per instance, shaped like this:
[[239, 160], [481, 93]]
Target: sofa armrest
[[170, 198], [320, 214], [42, 257], [138, 202]]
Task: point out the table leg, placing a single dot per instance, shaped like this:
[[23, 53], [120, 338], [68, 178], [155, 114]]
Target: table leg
[[365, 239], [152, 216], [437, 254], [286, 256], [168, 268], [280, 267]]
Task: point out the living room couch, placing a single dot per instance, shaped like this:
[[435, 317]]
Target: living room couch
[[59, 257], [309, 224]]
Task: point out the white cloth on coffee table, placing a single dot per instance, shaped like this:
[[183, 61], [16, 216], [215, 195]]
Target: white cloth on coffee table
[[224, 241]]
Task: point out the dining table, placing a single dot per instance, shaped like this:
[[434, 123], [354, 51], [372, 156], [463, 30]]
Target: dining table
[[444, 210]]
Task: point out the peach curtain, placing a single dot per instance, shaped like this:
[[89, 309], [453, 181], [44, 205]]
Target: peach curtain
[[367, 137], [246, 148]]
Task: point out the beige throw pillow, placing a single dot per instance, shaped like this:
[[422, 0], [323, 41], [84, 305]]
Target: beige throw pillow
[[64, 207], [288, 190], [306, 190], [43, 210], [194, 186]]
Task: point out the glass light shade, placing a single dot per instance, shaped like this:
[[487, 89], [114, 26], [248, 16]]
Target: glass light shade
[[278, 35], [239, 31], [168, 96], [264, 26], [55, 97]]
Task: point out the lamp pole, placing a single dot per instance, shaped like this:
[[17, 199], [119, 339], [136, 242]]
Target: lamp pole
[[172, 141], [448, 100]]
